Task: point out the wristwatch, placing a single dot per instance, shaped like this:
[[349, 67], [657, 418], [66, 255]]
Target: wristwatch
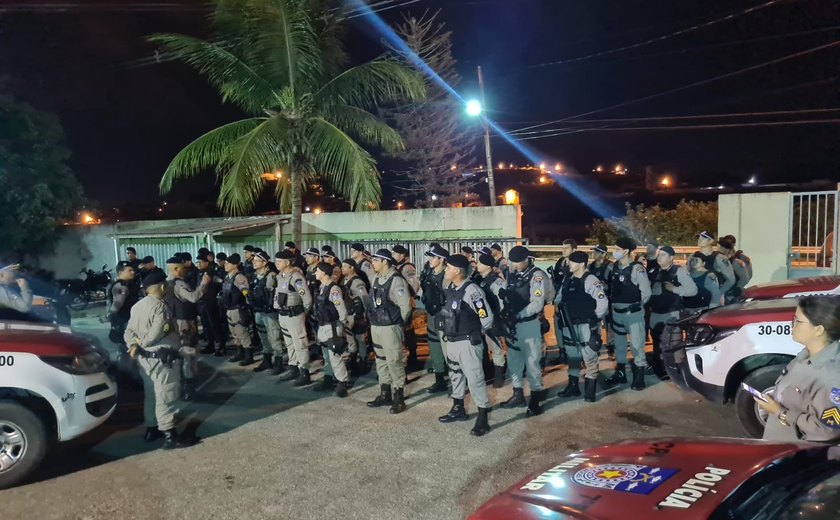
[[783, 418]]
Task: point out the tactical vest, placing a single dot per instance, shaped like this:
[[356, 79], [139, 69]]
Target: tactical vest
[[385, 312], [400, 268], [184, 310], [192, 276], [666, 302], [132, 297], [311, 281], [519, 289], [232, 297], [433, 296], [261, 299], [357, 307], [579, 305], [703, 297], [652, 270], [460, 321], [622, 288], [709, 262], [600, 271], [325, 311], [486, 285]]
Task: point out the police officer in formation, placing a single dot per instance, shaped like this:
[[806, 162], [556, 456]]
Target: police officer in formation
[[293, 301], [708, 289], [629, 292], [528, 291], [602, 267], [408, 271], [122, 295], [208, 306], [464, 317], [147, 267], [261, 299], [491, 281], [234, 297], [362, 259], [131, 258], [501, 262], [356, 287], [582, 304], [332, 317], [715, 261], [431, 294], [741, 267], [248, 261], [390, 310]]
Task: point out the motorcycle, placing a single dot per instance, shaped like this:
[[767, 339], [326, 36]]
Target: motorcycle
[[78, 293]]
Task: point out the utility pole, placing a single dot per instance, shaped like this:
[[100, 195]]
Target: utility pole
[[490, 182]]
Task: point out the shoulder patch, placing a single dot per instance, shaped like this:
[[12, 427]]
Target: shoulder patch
[[835, 395], [538, 278], [300, 282], [831, 417]]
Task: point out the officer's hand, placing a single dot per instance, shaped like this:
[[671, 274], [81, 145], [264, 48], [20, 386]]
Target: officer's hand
[[205, 279], [668, 286], [770, 406], [132, 351], [345, 357], [22, 283]]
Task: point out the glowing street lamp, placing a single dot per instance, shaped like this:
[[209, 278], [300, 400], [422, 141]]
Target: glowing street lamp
[[511, 197], [474, 108], [665, 182]]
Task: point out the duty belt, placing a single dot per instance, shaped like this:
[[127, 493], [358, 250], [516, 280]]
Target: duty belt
[[636, 307], [294, 310], [161, 353], [529, 318]]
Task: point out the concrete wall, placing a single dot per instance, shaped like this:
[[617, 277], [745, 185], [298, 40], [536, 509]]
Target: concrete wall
[[761, 223]]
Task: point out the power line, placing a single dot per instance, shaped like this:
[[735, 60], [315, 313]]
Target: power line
[[657, 39], [686, 87]]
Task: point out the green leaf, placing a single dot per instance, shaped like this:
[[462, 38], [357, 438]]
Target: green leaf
[[366, 126], [376, 82]]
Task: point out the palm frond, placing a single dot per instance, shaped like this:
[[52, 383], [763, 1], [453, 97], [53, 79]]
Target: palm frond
[[366, 127], [206, 152], [376, 82], [235, 80], [345, 165]]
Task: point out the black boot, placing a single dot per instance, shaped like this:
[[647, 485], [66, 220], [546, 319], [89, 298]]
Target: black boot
[[456, 413], [619, 377], [327, 384], [384, 397], [248, 358], [188, 390], [173, 440], [571, 390], [481, 425], [208, 349], [239, 356], [399, 403], [518, 399], [265, 364], [341, 389], [562, 357], [303, 378], [293, 373], [279, 367], [440, 383], [611, 352], [638, 378], [498, 377], [534, 407], [589, 387], [152, 434], [220, 351]]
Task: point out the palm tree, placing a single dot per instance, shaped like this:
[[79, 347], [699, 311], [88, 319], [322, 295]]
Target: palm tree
[[282, 63]]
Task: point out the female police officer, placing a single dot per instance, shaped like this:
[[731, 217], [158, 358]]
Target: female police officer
[[806, 401]]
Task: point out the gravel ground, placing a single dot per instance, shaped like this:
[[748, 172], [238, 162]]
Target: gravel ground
[[271, 451]]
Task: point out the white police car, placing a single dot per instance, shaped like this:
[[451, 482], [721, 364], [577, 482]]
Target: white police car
[[53, 387]]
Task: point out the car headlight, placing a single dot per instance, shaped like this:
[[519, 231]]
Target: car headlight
[[699, 335], [85, 364]]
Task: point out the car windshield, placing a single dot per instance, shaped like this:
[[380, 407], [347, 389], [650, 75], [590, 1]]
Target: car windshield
[[820, 501]]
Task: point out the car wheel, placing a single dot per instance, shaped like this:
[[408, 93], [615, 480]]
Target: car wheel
[[23, 443], [751, 417]]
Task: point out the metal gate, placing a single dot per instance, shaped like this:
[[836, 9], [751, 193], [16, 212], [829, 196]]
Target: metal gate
[[812, 247]]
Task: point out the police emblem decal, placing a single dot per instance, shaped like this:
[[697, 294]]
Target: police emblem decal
[[835, 395], [628, 478]]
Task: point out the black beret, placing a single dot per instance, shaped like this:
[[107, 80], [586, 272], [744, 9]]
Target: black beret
[[263, 255], [468, 250], [147, 260], [327, 247], [203, 251], [130, 249], [459, 261], [726, 243], [234, 258], [186, 256], [325, 268], [204, 257], [122, 265], [579, 257], [175, 260], [400, 249], [497, 247], [437, 252], [222, 257], [667, 249], [358, 247], [486, 251], [291, 244], [248, 248], [486, 259], [518, 254], [154, 278], [625, 243], [284, 255], [352, 263], [384, 254], [433, 244], [600, 248], [313, 251], [330, 254]]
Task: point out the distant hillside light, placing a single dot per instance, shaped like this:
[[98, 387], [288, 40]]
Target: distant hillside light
[[665, 182], [511, 197], [473, 108]]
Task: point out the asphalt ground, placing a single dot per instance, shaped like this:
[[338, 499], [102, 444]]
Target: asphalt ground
[[272, 451]]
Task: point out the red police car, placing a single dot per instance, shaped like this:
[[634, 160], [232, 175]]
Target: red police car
[[679, 479], [793, 288]]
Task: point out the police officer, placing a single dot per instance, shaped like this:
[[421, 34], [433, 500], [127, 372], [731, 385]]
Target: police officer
[[528, 291], [356, 288], [602, 267], [330, 258], [182, 302], [390, 311], [737, 253], [560, 272], [431, 294], [740, 267], [122, 295], [15, 294], [408, 271], [670, 285], [221, 260], [629, 292], [132, 260], [501, 262], [332, 316], [147, 267], [708, 290], [357, 253], [208, 307], [581, 303], [152, 337], [234, 302], [805, 402], [191, 274], [248, 265], [464, 316], [261, 299], [715, 261], [298, 260], [490, 281], [292, 300], [312, 256]]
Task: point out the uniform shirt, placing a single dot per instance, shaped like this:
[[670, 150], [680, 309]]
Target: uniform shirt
[[539, 295], [180, 289], [356, 288], [594, 288], [639, 278], [153, 324], [498, 284], [15, 298], [724, 267], [367, 268], [687, 286], [293, 283], [474, 297], [399, 292], [240, 282], [712, 285], [336, 297], [742, 272], [809, 389], [270, 283], [119, 295], [409, 272]]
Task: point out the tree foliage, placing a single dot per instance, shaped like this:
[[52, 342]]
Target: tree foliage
[[281, 62], [39, 189], [438, 147], [642, 223]]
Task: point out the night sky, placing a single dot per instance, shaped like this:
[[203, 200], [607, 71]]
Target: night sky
[[125, 119]]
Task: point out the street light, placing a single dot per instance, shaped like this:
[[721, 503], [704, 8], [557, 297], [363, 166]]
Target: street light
[[474, 109]]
